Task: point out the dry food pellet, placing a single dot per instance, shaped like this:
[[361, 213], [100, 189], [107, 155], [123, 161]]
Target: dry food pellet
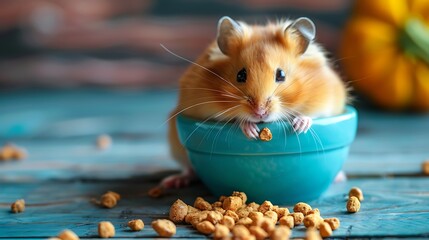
[[258, 232], [115, 194], [325, 229], [268, 225], [298, 217], [246, 221], [333, 222], [109, 199], [136, 224], [10, 151], [257, 220], [104, 141], [106, 229], [202, 204], [7, 152], [232, 203], [205, 227], [240, 232], [287, 221], [312, 220], [221, 231], [312, 234], [192, 209], [272, 215], [244, 212], [164, 227], [254, 206], [214, 217], [193, 218], [353, 205], [228, 222], [217, 204], [178, 211], [265, 134], [425, 167], [281, 211], [219, 210], [265, 206], [232, 214], [241, 195], [281, 233], [196, 217], [18, 206], [156, 192], [68, 235], [314, 211], [302, 207], [254, 215], [356, 192]]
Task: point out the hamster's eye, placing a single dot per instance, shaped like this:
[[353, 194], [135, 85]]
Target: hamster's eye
[[280, 75], [242, 75]]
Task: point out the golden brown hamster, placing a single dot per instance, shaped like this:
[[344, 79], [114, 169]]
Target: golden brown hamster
[[254, 73]]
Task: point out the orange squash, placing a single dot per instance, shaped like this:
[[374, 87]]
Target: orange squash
[[385, 52]]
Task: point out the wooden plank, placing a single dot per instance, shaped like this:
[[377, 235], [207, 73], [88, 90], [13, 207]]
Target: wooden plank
[[79, 159], [392, 207], [30, 114]]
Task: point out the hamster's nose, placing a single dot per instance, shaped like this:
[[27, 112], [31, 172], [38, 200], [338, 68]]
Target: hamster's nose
[[260, 112]]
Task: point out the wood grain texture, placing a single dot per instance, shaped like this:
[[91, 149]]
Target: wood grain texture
[[65, 170], [392, 207]]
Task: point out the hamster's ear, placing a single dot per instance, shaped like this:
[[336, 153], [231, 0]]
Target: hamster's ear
[[229, 34], [305, 30]]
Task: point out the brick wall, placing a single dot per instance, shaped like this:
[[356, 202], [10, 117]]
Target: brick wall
[[116, 43]]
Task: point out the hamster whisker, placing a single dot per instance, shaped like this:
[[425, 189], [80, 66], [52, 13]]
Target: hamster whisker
[[313, 133], [216, 136], [195, 105], [196, 64], [284, 127], [341, 59], [214, 90], [211, 117], [289, 117], [234, 124], [226, 95], [212, 128], [317, 140], [205, 98]]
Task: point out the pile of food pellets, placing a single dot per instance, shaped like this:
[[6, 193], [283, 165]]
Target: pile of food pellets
[[232, 216], [228, 217]]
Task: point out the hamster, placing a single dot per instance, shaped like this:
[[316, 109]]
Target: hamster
[[253, 74]]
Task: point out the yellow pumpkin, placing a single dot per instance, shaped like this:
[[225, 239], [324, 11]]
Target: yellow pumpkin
[[385, 52]]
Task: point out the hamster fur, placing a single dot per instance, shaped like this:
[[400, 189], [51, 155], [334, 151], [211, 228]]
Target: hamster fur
[[286, 76]]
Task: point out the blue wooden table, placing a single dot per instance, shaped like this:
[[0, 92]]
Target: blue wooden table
[[65, 170]]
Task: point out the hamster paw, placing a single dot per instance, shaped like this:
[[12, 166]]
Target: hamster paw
[[301, 124], [250, 130], [180, 180]]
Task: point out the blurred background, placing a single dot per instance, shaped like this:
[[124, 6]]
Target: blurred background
[[116, 44]]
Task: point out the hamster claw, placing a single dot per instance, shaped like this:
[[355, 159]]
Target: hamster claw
[[250, 130], [301, 124]]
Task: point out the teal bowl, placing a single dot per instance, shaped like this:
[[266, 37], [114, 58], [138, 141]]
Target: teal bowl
[[288, 169]]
